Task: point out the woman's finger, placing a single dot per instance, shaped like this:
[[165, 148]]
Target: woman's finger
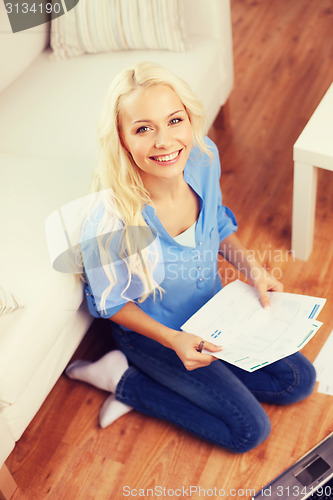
[[212, 347], [200, 361], [265, 302]]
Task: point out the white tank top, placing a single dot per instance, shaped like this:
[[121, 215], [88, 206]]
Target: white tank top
[[187, 238]]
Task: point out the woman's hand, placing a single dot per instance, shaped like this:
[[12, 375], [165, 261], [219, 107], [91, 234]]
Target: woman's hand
[[232, 249], [264, 282], [185, 346]]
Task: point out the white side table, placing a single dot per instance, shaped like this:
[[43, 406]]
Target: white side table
[[312, 150]]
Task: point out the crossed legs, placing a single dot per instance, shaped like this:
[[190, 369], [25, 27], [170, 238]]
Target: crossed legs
[[219, 403]]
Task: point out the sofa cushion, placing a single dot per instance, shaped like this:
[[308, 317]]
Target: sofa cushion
[[52, 111], [30, 189], [93, 27], [41, 337]]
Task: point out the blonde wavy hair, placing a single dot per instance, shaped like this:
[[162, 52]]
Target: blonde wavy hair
[[116, 170]]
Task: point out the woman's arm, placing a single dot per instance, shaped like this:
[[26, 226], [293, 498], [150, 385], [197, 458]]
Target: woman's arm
[[184, 344], [232, 250]]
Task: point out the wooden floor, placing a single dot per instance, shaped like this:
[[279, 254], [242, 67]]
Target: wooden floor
[[283, 54]]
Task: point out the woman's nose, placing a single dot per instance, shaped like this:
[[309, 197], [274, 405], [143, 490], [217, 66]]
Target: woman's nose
[[162, 139]]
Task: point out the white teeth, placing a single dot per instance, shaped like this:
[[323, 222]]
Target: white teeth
[[167, 157]]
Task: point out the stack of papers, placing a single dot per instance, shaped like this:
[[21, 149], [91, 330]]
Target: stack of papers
[[324, 367], [251, 336]]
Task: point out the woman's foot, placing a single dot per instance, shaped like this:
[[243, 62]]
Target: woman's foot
[[104, 373], [112, 410]]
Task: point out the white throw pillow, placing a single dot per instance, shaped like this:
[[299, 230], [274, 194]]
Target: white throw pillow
[[8, 302], [110, 25]]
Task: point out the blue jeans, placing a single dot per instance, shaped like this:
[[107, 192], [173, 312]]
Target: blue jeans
[[220, 402]]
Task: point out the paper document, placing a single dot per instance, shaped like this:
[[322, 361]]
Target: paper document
[[324, 367], [252, 336]]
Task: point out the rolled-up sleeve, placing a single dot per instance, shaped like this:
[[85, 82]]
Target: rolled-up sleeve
[[110, 279], [97, 281], [227, 223], [96, 310]]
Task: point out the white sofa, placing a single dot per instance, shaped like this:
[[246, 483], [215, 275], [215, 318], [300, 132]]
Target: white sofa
[[48, 148]]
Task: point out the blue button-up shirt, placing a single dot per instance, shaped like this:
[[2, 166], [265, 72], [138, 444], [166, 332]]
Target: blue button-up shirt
[[190, 275]]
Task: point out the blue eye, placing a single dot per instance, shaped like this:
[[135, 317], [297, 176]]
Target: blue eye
[[142, 129], [174, 121]]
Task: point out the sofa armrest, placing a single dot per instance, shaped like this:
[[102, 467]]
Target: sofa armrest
[[213, 21], [19, 50]]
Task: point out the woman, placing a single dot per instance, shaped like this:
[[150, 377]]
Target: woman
[[158, 173]]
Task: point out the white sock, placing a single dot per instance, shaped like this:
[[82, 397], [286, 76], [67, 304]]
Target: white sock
[[104, 373], [112, 410]]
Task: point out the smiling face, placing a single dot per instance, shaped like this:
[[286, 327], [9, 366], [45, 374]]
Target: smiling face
[[156, 130]]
